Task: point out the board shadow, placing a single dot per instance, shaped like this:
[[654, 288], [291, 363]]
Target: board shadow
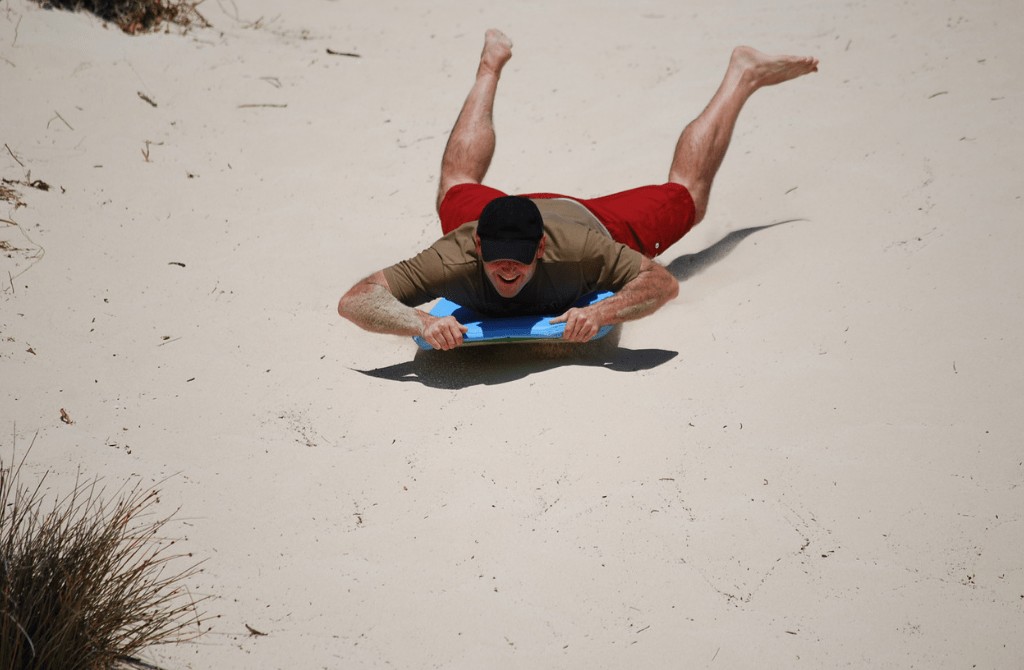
[[503, 363]]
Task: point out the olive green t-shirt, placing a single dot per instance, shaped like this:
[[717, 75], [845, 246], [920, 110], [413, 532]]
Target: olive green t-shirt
[[579, 258]]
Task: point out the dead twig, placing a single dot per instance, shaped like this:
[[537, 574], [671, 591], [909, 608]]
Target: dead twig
[[349, 54], [63, 119], [253, 632], [12, 155], [149, 143], [233, 14], [146, 98], [138, 663], [35, 259]]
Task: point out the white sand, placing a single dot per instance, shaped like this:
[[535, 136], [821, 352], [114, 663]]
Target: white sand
[[811, 458]]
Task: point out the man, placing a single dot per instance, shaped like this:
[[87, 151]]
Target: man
[[539, 253]]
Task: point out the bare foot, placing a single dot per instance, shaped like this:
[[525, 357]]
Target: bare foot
[[497, 51], [759, 69]]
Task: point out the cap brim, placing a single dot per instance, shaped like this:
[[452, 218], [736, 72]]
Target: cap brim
[[521, 251]]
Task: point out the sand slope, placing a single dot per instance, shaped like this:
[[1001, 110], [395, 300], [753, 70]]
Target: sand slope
[[811, 458]]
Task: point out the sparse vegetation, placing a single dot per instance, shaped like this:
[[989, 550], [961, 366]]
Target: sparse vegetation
[[136, 16], [8, 194], [86, 584]]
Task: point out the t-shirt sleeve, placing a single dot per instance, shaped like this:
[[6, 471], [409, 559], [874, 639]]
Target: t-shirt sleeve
[[418, 279], [620, 264]]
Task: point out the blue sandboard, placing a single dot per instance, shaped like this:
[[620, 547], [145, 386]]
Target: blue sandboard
[[508, 330]]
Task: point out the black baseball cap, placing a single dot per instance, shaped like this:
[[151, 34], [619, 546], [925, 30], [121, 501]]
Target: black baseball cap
[[510, 227]]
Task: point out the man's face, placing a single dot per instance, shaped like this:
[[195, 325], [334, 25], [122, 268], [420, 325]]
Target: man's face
[[508, 277]]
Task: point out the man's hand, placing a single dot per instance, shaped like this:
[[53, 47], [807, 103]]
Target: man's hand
[[444, 333], [371, 306], [581, 324], [642, 295]]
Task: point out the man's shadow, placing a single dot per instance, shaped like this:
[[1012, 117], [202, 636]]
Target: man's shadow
[[499, 364], [691, 265]]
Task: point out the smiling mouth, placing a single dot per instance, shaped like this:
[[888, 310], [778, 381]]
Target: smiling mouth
[[513, 280]]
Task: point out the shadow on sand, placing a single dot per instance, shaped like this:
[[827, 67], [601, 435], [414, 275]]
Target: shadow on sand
[[499, 364], [691, 265]]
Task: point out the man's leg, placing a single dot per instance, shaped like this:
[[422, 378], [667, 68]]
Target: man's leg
[[702, 146], [471, 144]]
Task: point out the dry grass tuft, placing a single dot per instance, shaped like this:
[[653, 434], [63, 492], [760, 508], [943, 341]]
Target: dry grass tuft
[[85, 583], [136, 16], [8, 194]]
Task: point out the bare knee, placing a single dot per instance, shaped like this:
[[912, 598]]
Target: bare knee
[[700, 208], [442, 191]]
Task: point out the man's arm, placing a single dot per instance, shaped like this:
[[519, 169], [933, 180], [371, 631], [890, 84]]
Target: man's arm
[[371, 306], [641, 296]]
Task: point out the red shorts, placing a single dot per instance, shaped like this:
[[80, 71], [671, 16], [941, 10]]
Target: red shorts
[[648, 219]]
